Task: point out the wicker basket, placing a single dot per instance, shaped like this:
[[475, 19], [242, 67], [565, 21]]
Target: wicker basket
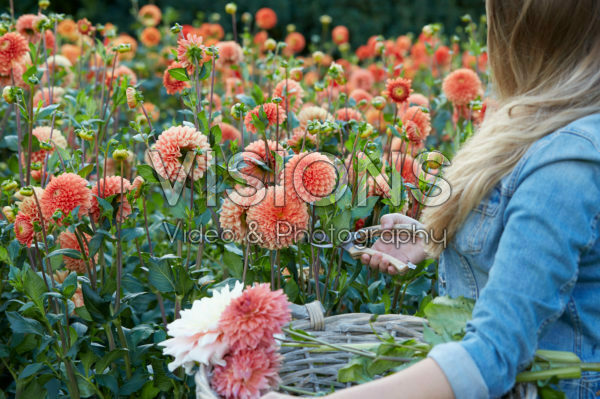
[[304, 370]]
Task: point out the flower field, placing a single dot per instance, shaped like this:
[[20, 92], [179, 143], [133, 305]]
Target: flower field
[[167, 192]]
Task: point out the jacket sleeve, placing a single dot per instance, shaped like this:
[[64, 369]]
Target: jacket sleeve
[[549, 222]]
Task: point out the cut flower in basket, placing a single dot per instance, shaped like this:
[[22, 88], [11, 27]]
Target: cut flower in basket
[[232, 333]]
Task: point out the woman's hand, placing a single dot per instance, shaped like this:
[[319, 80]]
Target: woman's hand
[[409, 249]]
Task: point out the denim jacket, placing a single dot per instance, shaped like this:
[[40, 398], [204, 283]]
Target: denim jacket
[[530, 255]]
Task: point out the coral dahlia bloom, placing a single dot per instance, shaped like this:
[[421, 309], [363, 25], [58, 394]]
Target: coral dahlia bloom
[[417, 124], [462, 86], [254, 317], [295, 43], [150, 37], [275, 115], [111, 186], [13, 48], [169, 153], [196, 337], [361, 79], [191, 51], [398, 89], [68, 240], [340, 35], [310, 176], [232, 216], [26, 27], [249, 374], [348, 114], [68, 29], [150, 15], [266, 18], [278, 226], [290, 92], [171, 84], [312, 113], [23, 227], [230, 53], [256, 157], [121, 72], [43, 95], [359, 94], [229, 132], [45, 134], [28, 205], [65, 193]]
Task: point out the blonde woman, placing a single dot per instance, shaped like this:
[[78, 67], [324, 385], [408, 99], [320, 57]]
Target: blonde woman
[[523, 219]]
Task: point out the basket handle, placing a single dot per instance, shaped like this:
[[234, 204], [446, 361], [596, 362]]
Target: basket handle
[[316, 315]]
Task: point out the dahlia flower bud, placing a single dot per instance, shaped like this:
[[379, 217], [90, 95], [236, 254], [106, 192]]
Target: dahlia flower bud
[[123, 48], [9, 185], [318, 56], [296, 74], [3, 29], [176, 28], [276, 100], [36, 166], [230, 8], [120, 154], [132, 97], [379, 47], [26, 191], [270, 44], [378, 102], [9, 94], [85, 134], [43, 4], [313, 126], [46, 145], [8, 214], [325, 19], [246, 17], [290, 28], [238, 111], [366, 130], [434, 160], [344, 47]]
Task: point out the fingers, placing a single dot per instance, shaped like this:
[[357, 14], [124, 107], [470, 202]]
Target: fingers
[[376, 261]]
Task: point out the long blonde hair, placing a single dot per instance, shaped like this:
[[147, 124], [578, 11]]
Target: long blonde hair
[[545, 62]]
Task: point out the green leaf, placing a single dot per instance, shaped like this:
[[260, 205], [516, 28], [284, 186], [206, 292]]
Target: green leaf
[[354, 371], [98, 307], [109, 358], [179, 74], [23, 325], [47, 111], [449, 315], [360, 212], [30, 370], [86, 170], [147, 173], [71, 253], [161, 276], [233, 263], [35, 288]]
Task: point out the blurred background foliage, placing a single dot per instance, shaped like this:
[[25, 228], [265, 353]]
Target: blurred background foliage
[[363, 18]]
